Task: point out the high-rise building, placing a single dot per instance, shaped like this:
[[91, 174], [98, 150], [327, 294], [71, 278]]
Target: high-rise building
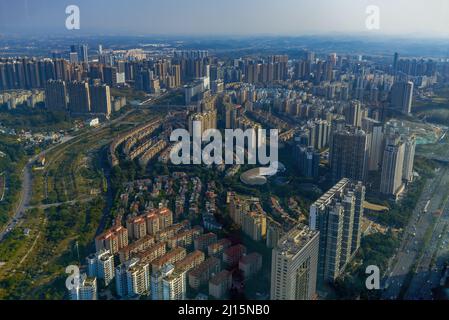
[[207, 119], [319, 131], [138, 279], [409, 158], [294, 265], [155, 86], [100, 98], [110, 75], [83, 53], [254, 225], [176, 73], [392, 168], [274, 233], [121, 277], [337, 215], [375, 132], [174, 286], [402, 96], [73, 57], [79, 97], [349, 154], [353, 113], [56, 95], [85, 290], [308, 160], [169, 283], [157, 277], [62, 70], [101, 266], [395, 63]]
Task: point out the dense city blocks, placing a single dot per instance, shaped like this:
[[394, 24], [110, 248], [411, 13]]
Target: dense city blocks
[[150, 161]]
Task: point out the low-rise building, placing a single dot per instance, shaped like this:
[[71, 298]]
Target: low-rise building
[[113, 239], [192, 260], [135, 247], [220, 284], [250, 264], [203, 241], [184, 238], [200, 275], [232, 255], [217, 249], [171, 257]]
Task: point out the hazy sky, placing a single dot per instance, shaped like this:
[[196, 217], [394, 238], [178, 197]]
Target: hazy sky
[[227, 17]]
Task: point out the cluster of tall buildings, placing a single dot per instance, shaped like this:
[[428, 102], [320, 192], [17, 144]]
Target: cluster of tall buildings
[[308, 161], [275, 68], [313, 69], [207, 119], [397, 163], [375, 147], [31, 73], [402, 96], [78, 97], [79, 75], [414, 67], [306, 258], [348, 154], [337, 215], [14, 98], [85, 289]]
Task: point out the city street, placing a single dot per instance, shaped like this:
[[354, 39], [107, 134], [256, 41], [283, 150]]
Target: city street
[[414, 238], [431, 265]]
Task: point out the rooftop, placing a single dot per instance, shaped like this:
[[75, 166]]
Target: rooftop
[[251, 258], [167, 257], [295, 240], [204, 266], [220, 277]]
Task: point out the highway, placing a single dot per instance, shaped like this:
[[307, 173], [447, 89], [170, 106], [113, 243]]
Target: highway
[[413, 243], [431, 265]]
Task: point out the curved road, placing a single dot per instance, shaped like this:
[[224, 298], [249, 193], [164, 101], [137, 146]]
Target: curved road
[[26, 191], [25, 197]]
